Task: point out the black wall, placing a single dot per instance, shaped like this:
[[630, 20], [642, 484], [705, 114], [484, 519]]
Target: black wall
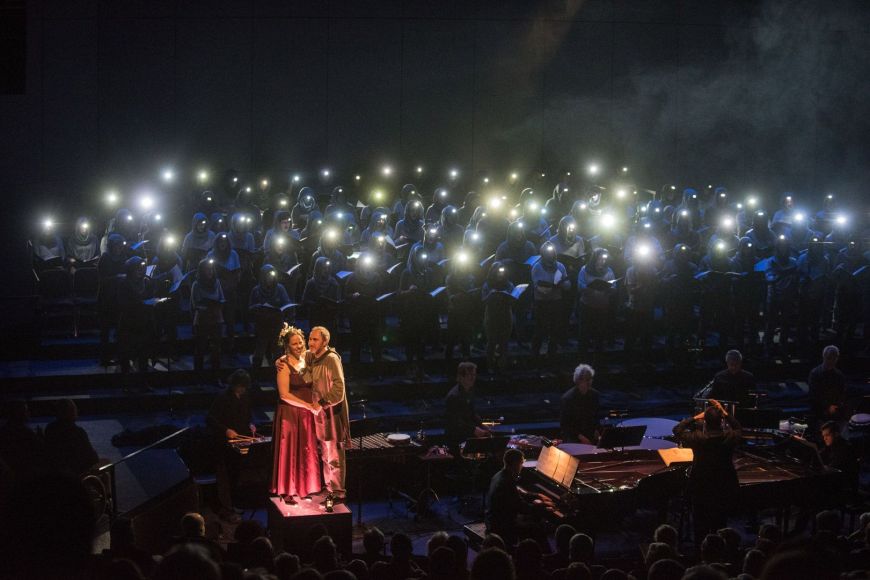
[[763, 95]]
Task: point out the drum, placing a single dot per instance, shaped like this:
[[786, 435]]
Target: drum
[[399, 439], [860, 422]]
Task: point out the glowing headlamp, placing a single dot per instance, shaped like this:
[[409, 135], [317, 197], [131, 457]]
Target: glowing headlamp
[[387, 170], [607, 220]]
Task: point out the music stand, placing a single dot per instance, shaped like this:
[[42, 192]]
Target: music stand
[[361, 428], [622, 437]]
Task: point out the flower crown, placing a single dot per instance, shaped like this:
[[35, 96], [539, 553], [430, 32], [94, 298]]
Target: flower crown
[[286, 332]]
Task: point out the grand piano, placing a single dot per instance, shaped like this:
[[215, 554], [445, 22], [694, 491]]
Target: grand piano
[[594, 489]]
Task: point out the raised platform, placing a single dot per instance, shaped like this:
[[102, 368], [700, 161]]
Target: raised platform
[[290, 525]]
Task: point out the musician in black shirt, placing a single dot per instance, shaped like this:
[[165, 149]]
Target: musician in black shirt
[[462, 421], [713, 483], [228, 418], [827, 385], [504, 503], [579, 415], [733, 384], [838, 454]]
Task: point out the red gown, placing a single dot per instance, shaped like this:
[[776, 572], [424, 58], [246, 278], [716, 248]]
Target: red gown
[[296, 463]]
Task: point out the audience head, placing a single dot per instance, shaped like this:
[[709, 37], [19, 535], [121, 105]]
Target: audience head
[[193, 525], [286, 565], [324, 555], [262, 554], [492, 564], [373, 541], [712, 418], [753, 562], [437, 540], [712, 549], [659, 551], [528, 556], [704, 572], [247, 531], [830, 432], [401, 547], [798, 564], [667, 534], [563, 536], [493, 540], [442, 562], [581, 549], [731, 537], [339, 574], [358, 568], [460, 548], [614, 574], [828, 521], [770, 532], [187, 561], [578, 571], [667, 569]]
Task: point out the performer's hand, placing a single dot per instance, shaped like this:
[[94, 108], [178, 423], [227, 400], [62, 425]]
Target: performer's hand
[[231, 434], [280, 364], [253, 429], [316, 407], [699, 416]]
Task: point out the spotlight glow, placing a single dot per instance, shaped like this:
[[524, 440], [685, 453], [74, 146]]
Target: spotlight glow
[[111, 198], [387, 170], [264, 183], [514, 176], [419, 169], [607, 220], [202, 176], [325, 173], [295, 179], [168, 175], [593, 169], [146, 202], [454, 173]]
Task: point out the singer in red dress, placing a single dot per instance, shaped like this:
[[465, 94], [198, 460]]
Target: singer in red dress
[[296, 463]]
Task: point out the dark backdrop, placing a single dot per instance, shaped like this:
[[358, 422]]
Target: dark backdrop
[[762, 95]]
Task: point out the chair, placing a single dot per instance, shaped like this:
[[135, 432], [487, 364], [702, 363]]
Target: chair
[[55, 291], [85, 283]]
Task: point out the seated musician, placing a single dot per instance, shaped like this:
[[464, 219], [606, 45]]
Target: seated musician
[[579, 415], [839, 454], [229, 418], [462, 421], [713, 483], [732, 384], [506, 511]]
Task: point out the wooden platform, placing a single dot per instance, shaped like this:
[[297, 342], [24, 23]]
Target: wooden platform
[[289, 525]]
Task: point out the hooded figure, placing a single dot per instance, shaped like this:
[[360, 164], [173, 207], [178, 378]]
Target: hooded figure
[[440, 200], [167, 266], [197, 242], [410, 228], [691, 203], [217, 222], [559, 203], [406, 195], [82, 245], [682, 232], [782, 292], [761, 235], [281, 224], [498, 316], [281, 253], [321, 294], [533, 217], [431, 245], [306, 202], [136, 323], [206, 303], [451, 232], [267, 322], [786, 211], [516, 249], [362, 289], [814, 268], [550, 282], [378, 225], [724, 234], [48, 245], [567, 241], [240, 235], [469, 205], [824, 219], [717, 207], [123, 224], [643, 241], [338, 204], [330, 248]]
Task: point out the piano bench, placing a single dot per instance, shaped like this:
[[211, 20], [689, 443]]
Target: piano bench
[[475, 532]]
